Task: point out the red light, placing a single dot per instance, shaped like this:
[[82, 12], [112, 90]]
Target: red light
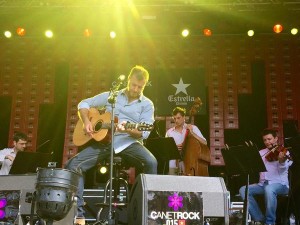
[[207, 32], [277, 28], [21, 31], [87, 33]]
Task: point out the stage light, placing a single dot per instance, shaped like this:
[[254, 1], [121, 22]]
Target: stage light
[[277, 28], [7, 34], [185, 33], [207, 32], [294, 31], [250, 33], [103, 169], [48, 33], [55, 193], [21, 31], [87, 33], [112, 34]]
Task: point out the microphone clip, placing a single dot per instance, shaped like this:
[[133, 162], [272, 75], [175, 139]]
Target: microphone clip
[[115, 87]]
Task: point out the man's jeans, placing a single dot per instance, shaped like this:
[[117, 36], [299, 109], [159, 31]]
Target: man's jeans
[[270, 192], [135, 154]]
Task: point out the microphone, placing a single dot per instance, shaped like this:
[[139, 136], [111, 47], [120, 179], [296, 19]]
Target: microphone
[[116, 84], [121, 77], [115, 87]]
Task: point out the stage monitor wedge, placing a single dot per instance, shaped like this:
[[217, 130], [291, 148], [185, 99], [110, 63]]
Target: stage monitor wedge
[[165, 199]]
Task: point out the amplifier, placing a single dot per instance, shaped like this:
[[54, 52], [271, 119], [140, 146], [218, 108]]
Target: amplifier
[[165, 199]]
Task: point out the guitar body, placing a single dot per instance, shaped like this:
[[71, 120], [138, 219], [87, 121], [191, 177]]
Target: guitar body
[[101, 128]]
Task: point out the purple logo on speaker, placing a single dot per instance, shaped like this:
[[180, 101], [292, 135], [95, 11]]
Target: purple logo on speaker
[[175, 201]]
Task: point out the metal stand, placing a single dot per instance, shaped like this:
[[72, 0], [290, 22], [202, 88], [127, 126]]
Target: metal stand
[[246, 203], [112, 100], [118, 198], [240, 160]]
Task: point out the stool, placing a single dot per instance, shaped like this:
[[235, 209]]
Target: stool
[[283, 209], [117, 183]]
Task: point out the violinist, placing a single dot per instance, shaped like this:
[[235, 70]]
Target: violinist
[[179, 132], [271, 183]]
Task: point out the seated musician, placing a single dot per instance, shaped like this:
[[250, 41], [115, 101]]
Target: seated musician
[[132, 106], [271, 183], [7, 155], [179, 132]]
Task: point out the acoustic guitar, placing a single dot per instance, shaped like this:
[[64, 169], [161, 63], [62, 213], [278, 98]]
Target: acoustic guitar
[[101, 125]]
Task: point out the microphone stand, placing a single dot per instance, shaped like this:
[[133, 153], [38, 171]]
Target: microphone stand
[[112, 100]]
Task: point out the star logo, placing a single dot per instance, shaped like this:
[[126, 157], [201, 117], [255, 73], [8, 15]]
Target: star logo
[[181, 87]]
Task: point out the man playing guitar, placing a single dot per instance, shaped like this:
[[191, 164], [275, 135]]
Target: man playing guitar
[[131, 106]]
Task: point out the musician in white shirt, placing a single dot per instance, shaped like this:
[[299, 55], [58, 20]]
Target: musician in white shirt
[[7, 155], [179, 132]]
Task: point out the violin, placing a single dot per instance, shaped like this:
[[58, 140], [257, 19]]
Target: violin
[[273, 154]]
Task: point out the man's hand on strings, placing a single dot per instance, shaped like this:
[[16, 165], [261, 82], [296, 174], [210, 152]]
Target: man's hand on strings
[[87, 124], [121, 127], [88, 128]]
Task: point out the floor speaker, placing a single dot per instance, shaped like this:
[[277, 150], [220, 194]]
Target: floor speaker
[[182, 200]]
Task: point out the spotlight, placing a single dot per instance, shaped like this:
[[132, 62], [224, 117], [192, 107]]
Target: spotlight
[[103, 170], [112, 34], [277, 28], [185, 32], [87, 33], [7, 34], [48, 33], [21, 31], [250, 33], [207, 32], [55, 193], [294, 31]]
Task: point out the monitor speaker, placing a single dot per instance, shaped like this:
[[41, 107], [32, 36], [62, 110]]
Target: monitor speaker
[[165, 199]]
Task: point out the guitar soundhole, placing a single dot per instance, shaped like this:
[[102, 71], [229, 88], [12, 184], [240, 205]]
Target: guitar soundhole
[[98, 126]]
